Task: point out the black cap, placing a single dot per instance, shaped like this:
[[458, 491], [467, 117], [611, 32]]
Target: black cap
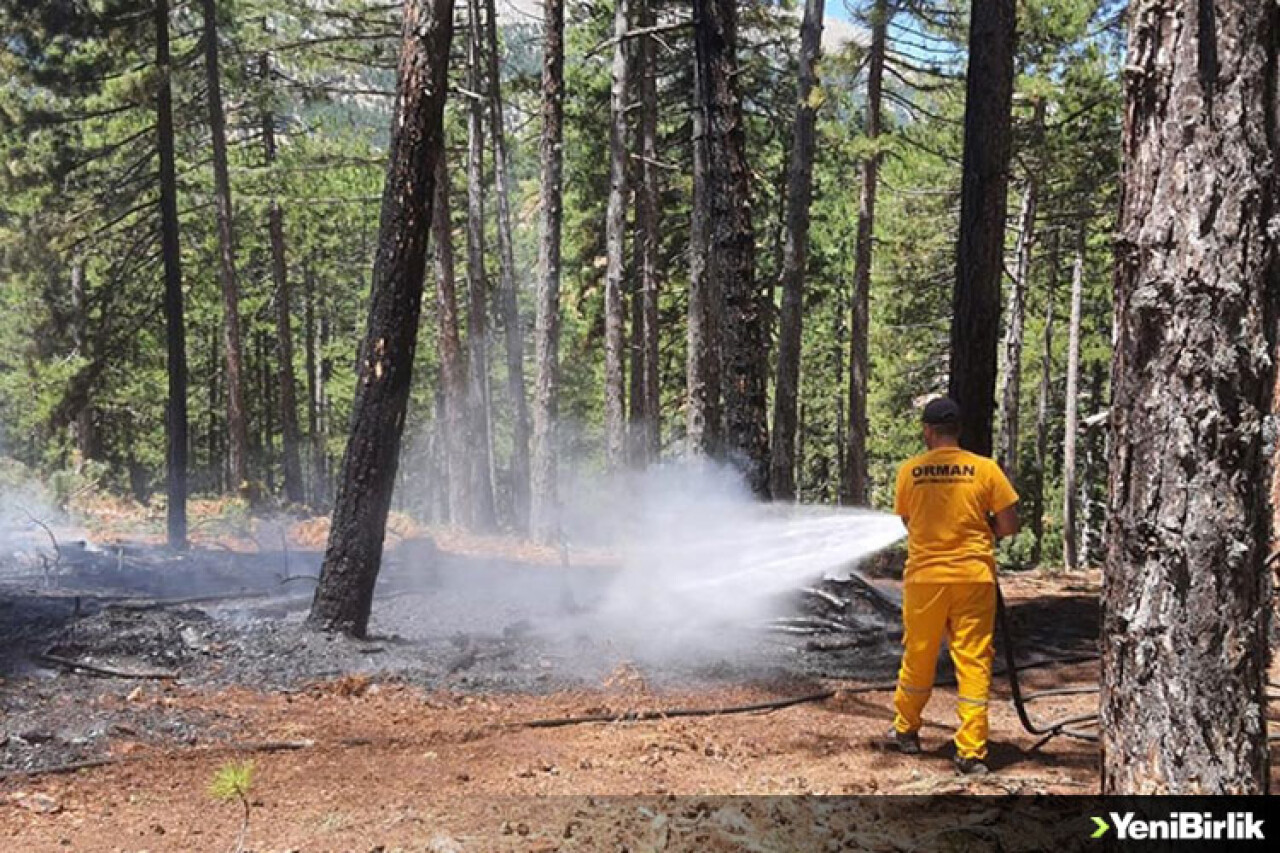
[[941, 410]]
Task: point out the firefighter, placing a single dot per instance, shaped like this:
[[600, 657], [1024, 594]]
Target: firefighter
[[955, 505]]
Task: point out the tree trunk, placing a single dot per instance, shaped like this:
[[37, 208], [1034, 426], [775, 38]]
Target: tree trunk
[[175, 322], [293, 487], [795, 257], [453, 364], [1071, 409], [703, 427], [1011, 399], [545, 512], [854, 470], [237, 429], [975, 320], [1042, 406], [725, 202], [615, 232], [315, 442], [1187, 597], [514, 337], [647, 216], [353, 557], [85, 427], [484, 516]]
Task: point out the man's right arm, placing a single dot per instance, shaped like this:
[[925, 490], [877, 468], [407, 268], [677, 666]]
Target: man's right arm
[[1005, 522]]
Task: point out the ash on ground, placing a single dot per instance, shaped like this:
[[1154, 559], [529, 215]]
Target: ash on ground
[[85, 631]]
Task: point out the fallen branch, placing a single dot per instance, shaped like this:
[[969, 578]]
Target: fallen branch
[[107, 671]]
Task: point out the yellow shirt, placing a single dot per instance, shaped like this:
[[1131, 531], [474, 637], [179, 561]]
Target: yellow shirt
[[946, 495]]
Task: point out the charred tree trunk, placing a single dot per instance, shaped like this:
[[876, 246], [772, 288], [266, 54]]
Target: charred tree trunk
[[647, 216], [1042, 407], [1186, 596], [725, 202], [854, 470], [975, 320], [175, 320], [615, 233], [1071, 414], [795, 258], [291, 440], [513, 335], [1011, 399], [544, 518], [237, 428], [353, 557], [453, 363], [484, 516]]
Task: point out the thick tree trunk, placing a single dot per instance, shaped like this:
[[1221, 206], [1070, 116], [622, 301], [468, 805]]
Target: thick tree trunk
[[237, 428], [545, 513], [1011, 399], [484, 516], [795, 258], [615, 233], [291, 440], [975, 320], [175, 322], [726, 201], [1071, 416], [453, 363], [647, 216], [344, 596], [854, 470], [514, 337], [1042, 406], [1186, 595]]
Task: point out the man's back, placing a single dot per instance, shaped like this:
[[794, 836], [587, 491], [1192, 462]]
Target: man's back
[[947, 495]]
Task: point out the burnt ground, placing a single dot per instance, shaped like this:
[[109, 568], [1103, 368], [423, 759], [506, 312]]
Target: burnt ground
[[213, 619], [417, 738]]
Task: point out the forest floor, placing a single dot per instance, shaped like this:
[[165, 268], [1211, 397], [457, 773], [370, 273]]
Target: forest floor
[[417, 738]]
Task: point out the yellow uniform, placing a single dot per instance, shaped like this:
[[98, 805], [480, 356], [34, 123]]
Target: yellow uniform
[[946, 496]]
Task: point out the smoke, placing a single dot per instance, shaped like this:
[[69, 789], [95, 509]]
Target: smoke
[[704, 565], [29, 521]]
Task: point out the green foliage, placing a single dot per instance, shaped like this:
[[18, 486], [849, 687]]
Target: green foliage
[[232, 781]]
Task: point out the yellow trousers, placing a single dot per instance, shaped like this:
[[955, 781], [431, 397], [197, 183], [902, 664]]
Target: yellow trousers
[[963, 613]]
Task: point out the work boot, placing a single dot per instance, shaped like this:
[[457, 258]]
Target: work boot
[[908, 743], [971, 766]]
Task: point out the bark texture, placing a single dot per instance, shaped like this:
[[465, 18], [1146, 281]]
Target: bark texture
[[730, 241], [237, 427], [647, 223], [853, 466], [453, 362], [480, 401], [1011, 399], [353, 557], [795, 258], [1186, 597], [174, 317], [1042, 405], [544, 517], [513, 336], [1071, 416], [290, 437], [975, 319], [615, 425]]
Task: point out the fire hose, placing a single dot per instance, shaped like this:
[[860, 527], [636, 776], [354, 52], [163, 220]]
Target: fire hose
[[1076, 726]]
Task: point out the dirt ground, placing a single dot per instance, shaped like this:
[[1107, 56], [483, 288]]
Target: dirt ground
[[420, 741]]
